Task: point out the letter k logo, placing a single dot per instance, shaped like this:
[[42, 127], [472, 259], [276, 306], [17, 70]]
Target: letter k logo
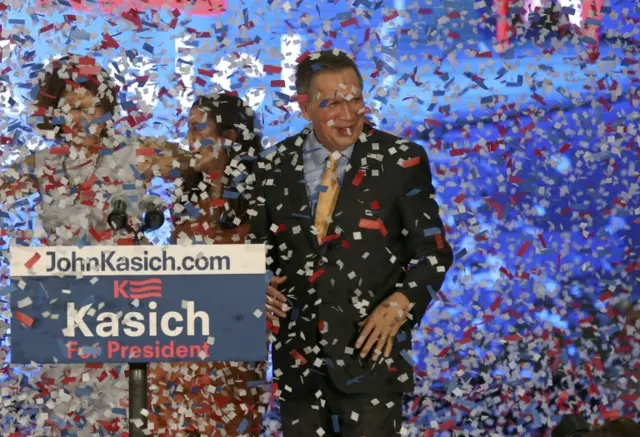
[[119, 289]]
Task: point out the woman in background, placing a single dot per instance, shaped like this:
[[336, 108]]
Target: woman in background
[[87, 166], [221, 134]]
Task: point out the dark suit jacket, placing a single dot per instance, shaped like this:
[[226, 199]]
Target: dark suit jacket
[[386, 236]]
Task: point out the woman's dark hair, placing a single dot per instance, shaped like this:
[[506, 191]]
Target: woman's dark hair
[[67, 73], [229, 112]]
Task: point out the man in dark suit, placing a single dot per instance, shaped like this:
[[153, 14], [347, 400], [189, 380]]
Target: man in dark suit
[[357, 250]]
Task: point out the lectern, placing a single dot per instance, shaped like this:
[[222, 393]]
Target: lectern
[[138, 304]]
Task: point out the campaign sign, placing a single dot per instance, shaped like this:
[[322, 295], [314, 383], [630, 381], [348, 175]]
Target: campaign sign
[[116, 304]]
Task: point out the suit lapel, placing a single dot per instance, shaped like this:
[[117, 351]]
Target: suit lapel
[[293, 170], [351, 183]]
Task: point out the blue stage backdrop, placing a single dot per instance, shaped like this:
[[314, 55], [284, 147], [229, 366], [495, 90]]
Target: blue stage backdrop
[[534, 154]]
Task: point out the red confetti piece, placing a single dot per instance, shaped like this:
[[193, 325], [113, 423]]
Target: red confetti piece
[[32, 261], [313, 278], [357, 179], [523, 248], [541, 238], [24, 319], [391, 16], [412, 162], [59, 150], [279, 83], [496, 304], [298, 357], [303, 56], [369, 224], [272, 69], [146, 151], [375, 205], [46, 28], [460, 198], [350, 22], [108, 42]]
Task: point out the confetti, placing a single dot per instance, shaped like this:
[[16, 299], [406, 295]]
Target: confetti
[[529, 120]]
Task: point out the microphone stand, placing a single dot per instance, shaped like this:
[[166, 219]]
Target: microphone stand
[[138, 384], [138, 372]]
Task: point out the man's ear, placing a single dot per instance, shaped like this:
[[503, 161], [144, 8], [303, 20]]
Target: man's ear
[[304, 107], [230, 134]]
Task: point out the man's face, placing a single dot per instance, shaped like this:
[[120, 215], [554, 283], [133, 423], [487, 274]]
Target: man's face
[[336, 108]]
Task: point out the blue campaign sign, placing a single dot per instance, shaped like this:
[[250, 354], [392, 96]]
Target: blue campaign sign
[[115, 304]]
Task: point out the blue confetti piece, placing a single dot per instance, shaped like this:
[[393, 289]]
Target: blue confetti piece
[[336, 423], [57, 120], [127, 105], [85, 391], [355, 380], [405, 354], [316, 67], [147, 47], [537, 423], [18, 21], [430, 232], [228, 194], [243, 425], [589, 40], [432, 292], [461, 253], [4, 291], [192, 210], [302, 216], [321, 188], [413, 192], [79, 35], [105, 152], [119, 411]]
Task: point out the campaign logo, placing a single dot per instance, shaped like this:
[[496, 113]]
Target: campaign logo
[[142, 289]]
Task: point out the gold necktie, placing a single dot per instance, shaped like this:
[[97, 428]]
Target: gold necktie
[[327, 199]]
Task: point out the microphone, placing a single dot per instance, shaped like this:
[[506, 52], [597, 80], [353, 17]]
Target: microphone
[[153, 214], [118, 217]]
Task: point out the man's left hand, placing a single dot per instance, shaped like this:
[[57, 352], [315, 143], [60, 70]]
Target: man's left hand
[[382, 325]]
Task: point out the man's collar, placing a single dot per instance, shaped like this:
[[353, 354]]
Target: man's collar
[[314, 146]]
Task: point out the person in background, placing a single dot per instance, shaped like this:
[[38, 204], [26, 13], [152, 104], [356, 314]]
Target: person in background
[[221, 136], [621, 427], [86, 167], [357, 249]]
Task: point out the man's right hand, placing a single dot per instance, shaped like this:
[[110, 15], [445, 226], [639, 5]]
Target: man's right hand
[[276, 301]]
